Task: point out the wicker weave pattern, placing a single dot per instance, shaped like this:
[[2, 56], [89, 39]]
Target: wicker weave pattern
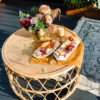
[[56, 88]]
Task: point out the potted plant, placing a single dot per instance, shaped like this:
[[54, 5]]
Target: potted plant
[[76, 6]]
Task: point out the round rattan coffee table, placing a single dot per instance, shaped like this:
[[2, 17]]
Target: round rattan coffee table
[[38, 81]]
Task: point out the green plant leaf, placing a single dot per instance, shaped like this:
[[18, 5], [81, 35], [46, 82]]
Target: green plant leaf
[[27, 15], [40, 24], [79, 3], [34, 9]]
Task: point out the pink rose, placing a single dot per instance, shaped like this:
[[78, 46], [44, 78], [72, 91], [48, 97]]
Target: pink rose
[[45, 9], [33, 20], [48, 19], [39, 16]]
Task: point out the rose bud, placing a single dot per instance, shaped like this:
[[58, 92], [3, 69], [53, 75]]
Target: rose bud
[[22, 23], [48, 19], [45, 9], [27, 22]]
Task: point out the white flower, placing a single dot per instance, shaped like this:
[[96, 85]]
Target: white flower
[[45, 9]]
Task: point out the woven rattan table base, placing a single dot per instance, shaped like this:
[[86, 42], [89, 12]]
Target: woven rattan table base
[[57, 88]]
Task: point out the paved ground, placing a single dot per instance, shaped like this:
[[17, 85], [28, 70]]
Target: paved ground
[[9, 24]]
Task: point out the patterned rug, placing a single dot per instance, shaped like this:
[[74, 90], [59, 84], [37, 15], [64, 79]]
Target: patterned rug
[[89, 31]]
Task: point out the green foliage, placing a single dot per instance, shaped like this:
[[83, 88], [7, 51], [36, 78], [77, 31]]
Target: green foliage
[[34, 9], [79, 3], [40, 24], [22, 15]]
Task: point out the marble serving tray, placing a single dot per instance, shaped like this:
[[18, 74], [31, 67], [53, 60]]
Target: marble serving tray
[[62, 58], [57, 42]]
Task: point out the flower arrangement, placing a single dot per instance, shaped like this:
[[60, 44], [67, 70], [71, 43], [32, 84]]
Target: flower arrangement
[[44, 17]]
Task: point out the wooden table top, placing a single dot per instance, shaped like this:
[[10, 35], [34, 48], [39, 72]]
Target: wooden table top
[[17, 52]]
